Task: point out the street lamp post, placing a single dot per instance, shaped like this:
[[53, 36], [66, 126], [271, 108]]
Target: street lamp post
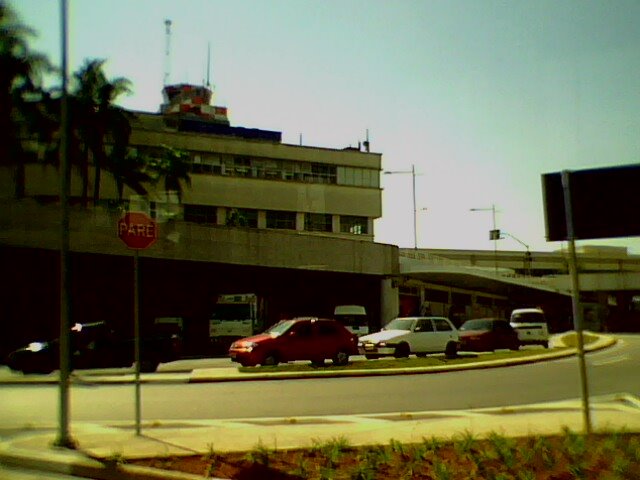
[[415, 210], [495, 233], [527, 255]]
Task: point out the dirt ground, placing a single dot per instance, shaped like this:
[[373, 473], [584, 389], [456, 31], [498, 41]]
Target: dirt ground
[[570, 456]]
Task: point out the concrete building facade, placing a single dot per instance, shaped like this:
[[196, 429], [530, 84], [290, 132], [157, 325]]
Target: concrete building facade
[[291, 223]]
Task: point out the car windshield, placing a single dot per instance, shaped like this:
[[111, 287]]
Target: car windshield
[[399, 324], [231, 312], [280, 328], [528, 317], [481, 324]]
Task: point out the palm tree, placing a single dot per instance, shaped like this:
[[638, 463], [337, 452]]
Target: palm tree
[[20, 78], [98, 121], [129, 169], [172, 166]]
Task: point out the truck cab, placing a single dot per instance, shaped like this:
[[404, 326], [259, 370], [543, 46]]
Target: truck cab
[[235, 316]]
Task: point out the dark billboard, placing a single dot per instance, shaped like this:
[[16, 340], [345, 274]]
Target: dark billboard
[[605, 203]]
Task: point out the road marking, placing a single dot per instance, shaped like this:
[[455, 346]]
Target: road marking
[[607, 361]]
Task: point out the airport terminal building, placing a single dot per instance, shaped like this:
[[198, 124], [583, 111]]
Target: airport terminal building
[[292, 224]]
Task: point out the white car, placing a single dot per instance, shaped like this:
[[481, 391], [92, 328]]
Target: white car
[[406, 335], [531, 325]]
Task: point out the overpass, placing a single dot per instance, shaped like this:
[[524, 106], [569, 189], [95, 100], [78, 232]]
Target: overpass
[[477, 283]]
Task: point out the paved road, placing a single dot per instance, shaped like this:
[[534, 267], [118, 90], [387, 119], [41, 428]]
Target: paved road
[[611, 371]]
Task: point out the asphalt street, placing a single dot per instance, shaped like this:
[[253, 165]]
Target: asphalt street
[[613, 370]]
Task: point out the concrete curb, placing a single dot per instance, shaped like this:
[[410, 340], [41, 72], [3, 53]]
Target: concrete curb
[[201, 376], [604, 341], [78, 464]]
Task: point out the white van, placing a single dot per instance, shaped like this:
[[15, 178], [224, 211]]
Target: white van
[[354, 317], [531, 325]]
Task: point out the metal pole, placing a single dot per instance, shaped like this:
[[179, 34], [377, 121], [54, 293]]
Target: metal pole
[[495, 239], [64, 439], [415, 212], [575, 300], [136, 333]]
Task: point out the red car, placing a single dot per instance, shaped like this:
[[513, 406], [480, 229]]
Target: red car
[[487, 334], [307, 338]]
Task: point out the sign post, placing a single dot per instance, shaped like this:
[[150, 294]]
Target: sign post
[[138, 231], [575, 300], [64, 438]]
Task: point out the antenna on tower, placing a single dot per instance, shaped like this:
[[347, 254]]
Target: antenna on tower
[[208, 84], [366, 142], [167, 51]]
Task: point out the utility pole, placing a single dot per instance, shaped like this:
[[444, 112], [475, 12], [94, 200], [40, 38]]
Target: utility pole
[[527, 255], [494, 234], [413, 189], [64, 438]]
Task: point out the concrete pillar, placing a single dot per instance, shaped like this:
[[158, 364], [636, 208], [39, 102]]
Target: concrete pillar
[[300, 221], [389, 300], [221, 216], [262, 219], [335, 223]]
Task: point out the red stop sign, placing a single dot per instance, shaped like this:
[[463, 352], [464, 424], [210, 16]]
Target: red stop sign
[[137, 230]]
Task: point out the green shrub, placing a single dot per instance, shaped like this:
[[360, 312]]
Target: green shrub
[[260, 454], [465, 442]]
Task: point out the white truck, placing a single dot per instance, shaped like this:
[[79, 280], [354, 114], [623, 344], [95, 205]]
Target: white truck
[[235, 316], [531, 325], [354, 317]]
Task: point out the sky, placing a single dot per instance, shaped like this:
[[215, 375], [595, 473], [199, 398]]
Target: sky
[[481, 97]]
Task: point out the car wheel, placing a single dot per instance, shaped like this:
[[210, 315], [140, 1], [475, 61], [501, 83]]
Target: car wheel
[[402, 351], [371, 357], [451, 350], [341, 358], [270, 360], [515, 347], [317, 363], [545, 344]]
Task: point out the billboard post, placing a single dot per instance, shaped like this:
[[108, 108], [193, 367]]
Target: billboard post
[[575, 300]]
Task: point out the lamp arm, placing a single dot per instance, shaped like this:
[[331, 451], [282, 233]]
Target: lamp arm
[[518, 240]]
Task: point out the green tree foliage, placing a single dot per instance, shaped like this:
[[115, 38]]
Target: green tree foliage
[[171, 166], [98, 121], [21, 73]]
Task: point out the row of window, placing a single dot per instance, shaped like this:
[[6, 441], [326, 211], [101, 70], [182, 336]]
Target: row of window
[[272, 169], [246, 217], [241, 217]]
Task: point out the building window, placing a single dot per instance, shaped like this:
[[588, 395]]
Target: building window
[[321, 173], [284, 220], [242, 217], [274, 169], [204, 163], [269, 169], [200, 214], [358, 177], [317, 222], [353, 225], [289, 170], [242, 167]]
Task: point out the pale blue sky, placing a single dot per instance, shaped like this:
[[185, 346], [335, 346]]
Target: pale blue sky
[[483, 96]]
